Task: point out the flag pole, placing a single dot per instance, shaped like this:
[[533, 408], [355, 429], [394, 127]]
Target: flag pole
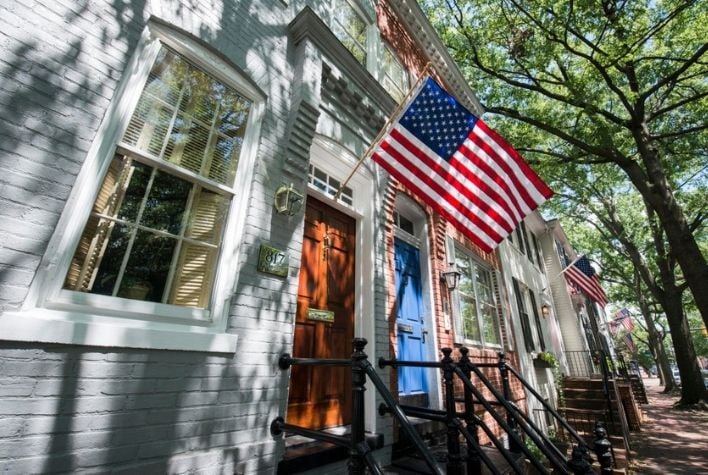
[[568, 266], [392, 118]]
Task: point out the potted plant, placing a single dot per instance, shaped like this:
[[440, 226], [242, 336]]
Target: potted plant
[[545, 359]]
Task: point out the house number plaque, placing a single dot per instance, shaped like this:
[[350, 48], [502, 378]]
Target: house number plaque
[[320, 315], [273, 261]]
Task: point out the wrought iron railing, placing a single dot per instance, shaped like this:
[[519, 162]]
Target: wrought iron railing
[[459, 416]]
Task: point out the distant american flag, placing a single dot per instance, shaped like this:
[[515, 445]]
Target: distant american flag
[[629, 342], [581, 274], [464, 170]]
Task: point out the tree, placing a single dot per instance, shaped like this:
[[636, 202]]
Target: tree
[[609, 217], [605, 83]]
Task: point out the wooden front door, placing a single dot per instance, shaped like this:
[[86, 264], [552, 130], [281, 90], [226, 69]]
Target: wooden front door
[[324, 328]]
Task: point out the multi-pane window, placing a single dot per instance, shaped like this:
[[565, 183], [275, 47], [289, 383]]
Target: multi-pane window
[[155, 230], [329, 185], [350, 27], [394, 75], [476, 304]]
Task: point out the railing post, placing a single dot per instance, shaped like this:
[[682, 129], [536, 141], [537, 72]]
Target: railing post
[[454, 461], [506, 388], [357, 464], [580, 462], [603, 448], [474, 463]]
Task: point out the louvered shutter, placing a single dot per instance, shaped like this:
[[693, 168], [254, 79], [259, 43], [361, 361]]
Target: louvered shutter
[[195, 269], [94, 239]]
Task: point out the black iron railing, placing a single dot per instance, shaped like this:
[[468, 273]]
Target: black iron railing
[[460, 417]]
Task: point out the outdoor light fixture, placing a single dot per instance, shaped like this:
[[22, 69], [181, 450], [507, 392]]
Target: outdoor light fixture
[[545, 310], [450, 276], [287, 200]]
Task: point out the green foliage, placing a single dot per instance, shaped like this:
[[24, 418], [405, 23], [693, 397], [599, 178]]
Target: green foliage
[[549, 358], [608, 94]]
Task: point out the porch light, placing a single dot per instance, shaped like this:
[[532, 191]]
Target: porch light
[[287, 200], [451, 276]]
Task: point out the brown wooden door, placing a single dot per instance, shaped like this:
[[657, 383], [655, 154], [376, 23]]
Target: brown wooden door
[[321, 397]]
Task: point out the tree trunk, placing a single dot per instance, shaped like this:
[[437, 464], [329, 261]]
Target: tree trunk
[[656, 190], [657, 346], [692, 388]]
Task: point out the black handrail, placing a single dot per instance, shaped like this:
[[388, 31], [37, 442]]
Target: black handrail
[[360, 454], [401, 417], [548, 407], [500, 420]]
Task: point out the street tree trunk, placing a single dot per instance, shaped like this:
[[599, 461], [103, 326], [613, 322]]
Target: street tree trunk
[[656, 345], [693, 389], [656, 190]]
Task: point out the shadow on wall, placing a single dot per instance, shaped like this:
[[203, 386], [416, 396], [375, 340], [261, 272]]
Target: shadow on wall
[[146, 410]]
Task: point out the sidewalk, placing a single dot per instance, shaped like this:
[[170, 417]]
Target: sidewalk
[[671, 442]]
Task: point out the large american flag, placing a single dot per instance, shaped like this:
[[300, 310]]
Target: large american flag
[[581, 274], [464, 170]]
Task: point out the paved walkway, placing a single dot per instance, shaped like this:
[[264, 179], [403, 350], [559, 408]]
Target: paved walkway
[[671, 442]]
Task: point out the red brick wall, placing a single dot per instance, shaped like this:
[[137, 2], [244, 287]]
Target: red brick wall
[[409, 53]]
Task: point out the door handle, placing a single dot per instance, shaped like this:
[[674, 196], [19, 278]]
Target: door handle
[[424, 332]]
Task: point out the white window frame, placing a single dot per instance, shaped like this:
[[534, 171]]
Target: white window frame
[[369, 48], [52, 315], [459, 335], [402, 89]]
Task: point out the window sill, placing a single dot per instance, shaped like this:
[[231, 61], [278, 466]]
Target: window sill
[[50, 326]]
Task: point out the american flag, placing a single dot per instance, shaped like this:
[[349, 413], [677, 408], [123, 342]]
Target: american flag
[[629, 342], [460, 167], [582, 274], [624, 318]]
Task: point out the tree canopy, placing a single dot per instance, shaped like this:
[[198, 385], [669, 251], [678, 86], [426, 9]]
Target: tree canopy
[[601, 83]]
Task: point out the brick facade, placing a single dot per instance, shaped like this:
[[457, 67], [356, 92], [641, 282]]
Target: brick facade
[[79, 407]]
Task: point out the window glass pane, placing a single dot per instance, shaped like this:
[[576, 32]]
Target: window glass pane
[[148, 267], [489, 323], [152, 235], [470, 321], [350, 28], [165, 205], [395, 78], [190, 119]]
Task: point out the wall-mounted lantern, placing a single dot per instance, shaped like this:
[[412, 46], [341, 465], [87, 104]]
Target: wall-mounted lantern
[[287, 200], [451, 276]]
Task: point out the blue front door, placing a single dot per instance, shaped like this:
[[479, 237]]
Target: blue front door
[[409, 318]]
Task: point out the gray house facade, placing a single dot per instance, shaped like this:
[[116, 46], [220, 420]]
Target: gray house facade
[[167, 167]]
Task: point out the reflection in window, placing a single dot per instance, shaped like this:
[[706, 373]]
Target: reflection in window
[[395, 77], [350, 27], [153, 235], [476, 301]]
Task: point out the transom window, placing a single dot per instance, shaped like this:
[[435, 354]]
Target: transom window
[[404, 223], [329, 185], [350, 27], [155, 230], [477, 312], [395, 76]]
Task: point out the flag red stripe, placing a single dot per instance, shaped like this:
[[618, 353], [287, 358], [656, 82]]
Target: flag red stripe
[[590, 287], [436, 205], [531, 175], [447, 194], [519, 196], [442, 168], [470, 162]]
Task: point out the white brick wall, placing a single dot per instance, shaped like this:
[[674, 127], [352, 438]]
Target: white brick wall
[[78, 409]]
